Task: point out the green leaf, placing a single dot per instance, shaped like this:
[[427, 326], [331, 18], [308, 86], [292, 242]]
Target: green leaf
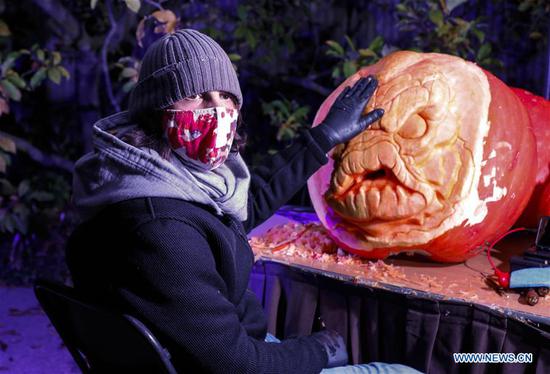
[[234, 57], [16, 80], [336, 47], [56, 57], [7, 144], [239, 32], [436, 16], [377, 44], [93, 3], [64, 72], [451, 4], [366, 53], [242, 12], [38, 77], [277, 29], [350, 42], [8, 63], [484, 52], [335, 72], [250, 38], [23, 188], [21, 222], [301, 112], [10, 89], [6, 188], [127, 87], [330, 52], [480, 35], [524, 6], [133, 5], [4, 29], [349, 68], [8, 223], [54, 75], [40, 55], [401, 8]]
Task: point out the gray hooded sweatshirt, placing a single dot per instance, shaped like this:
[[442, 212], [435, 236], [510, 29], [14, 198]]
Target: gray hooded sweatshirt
[[116, 171]]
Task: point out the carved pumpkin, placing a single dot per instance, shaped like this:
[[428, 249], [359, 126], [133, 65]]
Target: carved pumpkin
[[539, 113], [450, 165]]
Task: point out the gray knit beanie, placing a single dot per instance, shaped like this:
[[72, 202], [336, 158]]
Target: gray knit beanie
[[178, 65]]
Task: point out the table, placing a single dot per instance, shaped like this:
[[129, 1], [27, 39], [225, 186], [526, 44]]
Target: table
[[419, 314]]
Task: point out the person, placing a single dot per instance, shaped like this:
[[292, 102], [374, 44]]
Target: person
[[166, 200]]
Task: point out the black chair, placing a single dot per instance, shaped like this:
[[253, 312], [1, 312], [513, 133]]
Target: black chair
[[100, 339]]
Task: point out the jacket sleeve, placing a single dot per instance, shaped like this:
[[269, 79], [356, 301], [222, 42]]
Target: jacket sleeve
[[181, 294], [252, 315], [280, 176]]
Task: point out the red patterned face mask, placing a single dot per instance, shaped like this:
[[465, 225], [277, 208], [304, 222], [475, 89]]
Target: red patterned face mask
[[202, 136]]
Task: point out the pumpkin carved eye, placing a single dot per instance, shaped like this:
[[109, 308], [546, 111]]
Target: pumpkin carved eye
[[414, 127]]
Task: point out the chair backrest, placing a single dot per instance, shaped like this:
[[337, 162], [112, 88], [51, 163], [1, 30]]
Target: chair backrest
[[100, 339]]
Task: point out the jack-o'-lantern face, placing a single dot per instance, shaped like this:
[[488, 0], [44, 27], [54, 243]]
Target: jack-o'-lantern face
[[413, 174], [449, 166]]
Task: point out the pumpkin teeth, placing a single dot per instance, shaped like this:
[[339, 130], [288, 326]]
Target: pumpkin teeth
[[381, 169]]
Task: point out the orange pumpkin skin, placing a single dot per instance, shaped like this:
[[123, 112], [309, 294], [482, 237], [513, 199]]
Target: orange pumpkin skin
[[513, 171], [510, 124], [538, 109]]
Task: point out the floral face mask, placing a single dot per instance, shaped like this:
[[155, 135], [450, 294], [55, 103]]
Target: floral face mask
[[202, 136]]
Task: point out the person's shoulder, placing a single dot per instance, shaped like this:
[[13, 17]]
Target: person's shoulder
[[143, 209], [156, 214]]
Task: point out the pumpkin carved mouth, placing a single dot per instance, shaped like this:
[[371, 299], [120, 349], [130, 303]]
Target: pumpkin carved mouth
[[381, 190]]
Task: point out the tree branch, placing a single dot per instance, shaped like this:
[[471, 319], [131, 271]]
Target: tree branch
[[38, 155], [104, 62], [62, 17]]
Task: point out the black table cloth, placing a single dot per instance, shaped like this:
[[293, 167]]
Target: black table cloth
[[414, 329]]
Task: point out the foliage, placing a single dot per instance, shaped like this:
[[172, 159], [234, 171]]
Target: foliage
[[31, 199], [436, 29], [58, 77], [43, 64], [352, 59], [36, 217], [7, 147], [129, 71], [23, 70], [288, 116], [539, 17]]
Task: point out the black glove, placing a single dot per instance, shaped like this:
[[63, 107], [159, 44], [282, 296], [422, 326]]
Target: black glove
[[344, 120], [334, 346]]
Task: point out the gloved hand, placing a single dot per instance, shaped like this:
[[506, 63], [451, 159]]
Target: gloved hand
[[333, 344], [344, 120]]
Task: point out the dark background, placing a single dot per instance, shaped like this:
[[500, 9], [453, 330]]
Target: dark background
[[66, 63]]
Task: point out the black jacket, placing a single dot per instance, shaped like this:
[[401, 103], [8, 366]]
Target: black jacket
[[184, 271]]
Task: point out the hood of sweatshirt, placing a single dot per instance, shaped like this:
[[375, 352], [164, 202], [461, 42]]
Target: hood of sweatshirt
[[115, 171]]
